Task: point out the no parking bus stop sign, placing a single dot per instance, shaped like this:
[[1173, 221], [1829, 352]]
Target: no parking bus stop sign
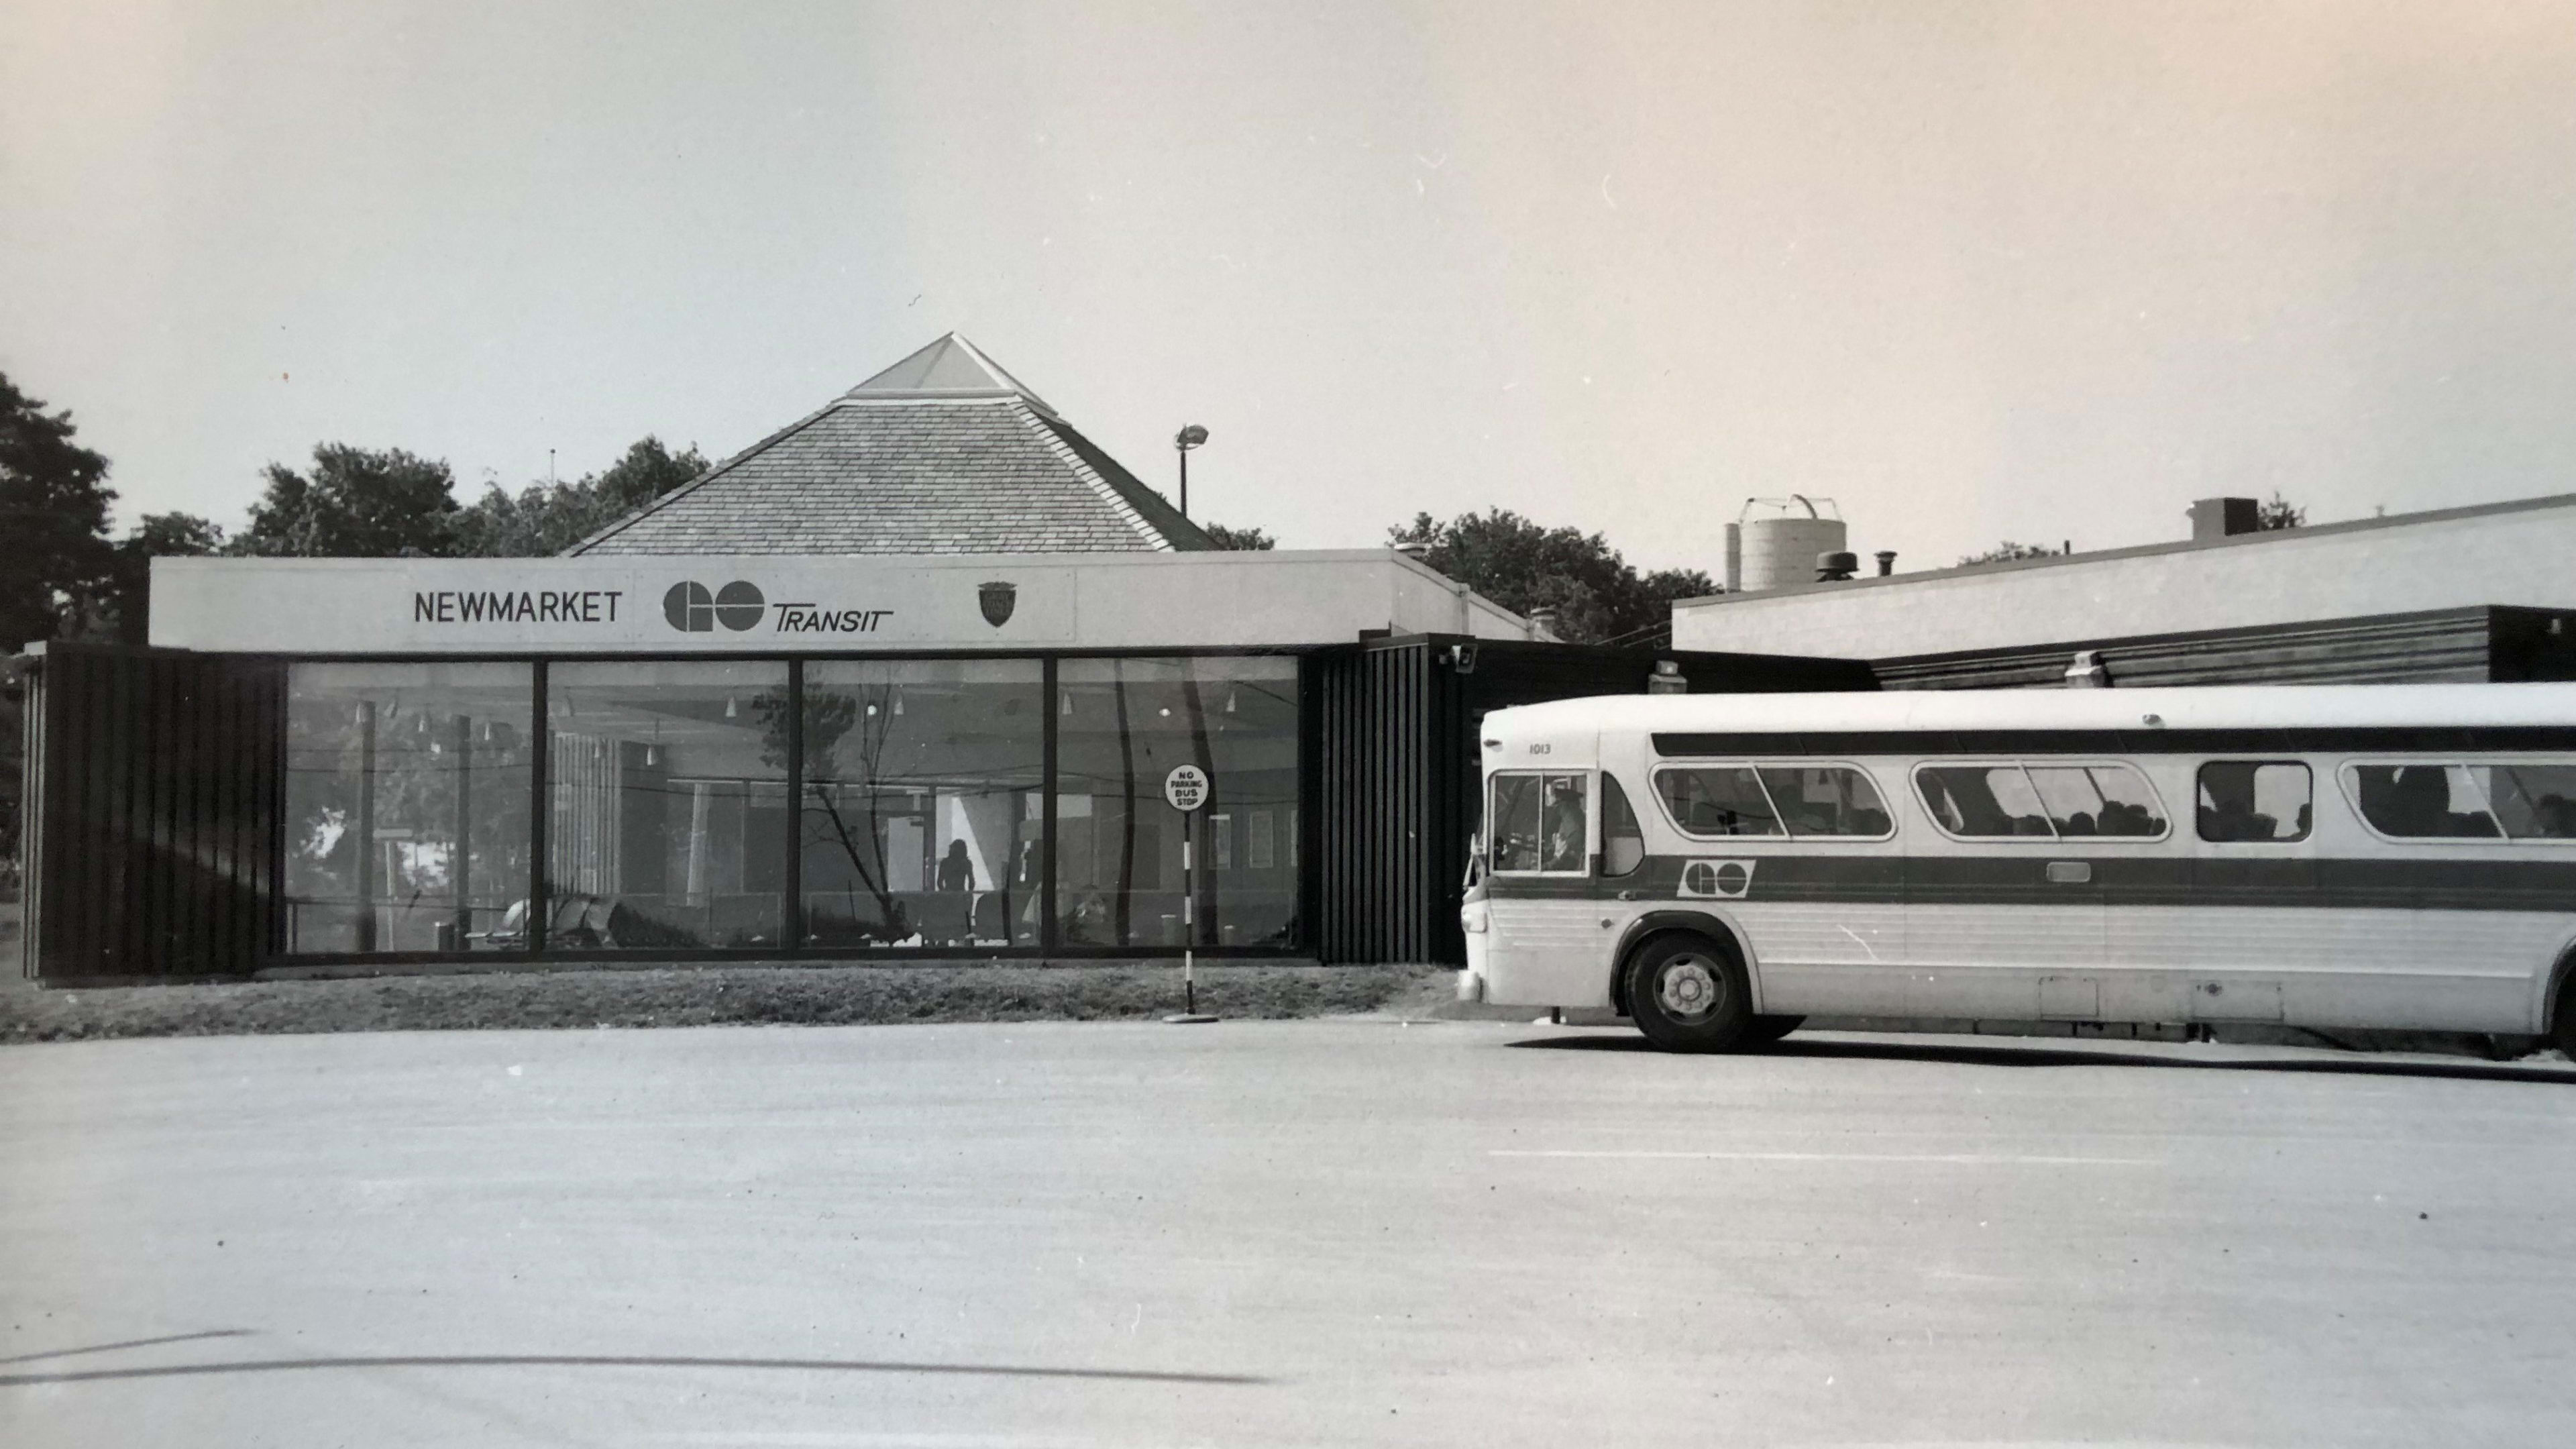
[[1186, 788]]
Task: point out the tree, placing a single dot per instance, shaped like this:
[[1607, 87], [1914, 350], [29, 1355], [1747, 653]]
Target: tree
[[356, 504], [1246, 539], [54, 502], [548, 518], [1523, 566], [2279, 512], [2006, 552]]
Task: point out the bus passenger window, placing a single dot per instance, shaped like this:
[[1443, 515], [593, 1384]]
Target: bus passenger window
[[1710, 800], [1516, 822], [1563, 842], [2098, 800], [2255, 800], [2533, 802], [1983, 800], [1623, 839], [1826, 800], [2421, 802]]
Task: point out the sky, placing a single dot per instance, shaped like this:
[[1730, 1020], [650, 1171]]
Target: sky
[[2038, 271]]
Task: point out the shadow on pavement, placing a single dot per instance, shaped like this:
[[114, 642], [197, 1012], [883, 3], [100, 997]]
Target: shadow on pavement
[[2021, 1056], [254, 1366]]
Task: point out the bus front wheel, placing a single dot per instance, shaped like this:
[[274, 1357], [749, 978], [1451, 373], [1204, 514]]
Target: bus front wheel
[[1688, 994], [1767, 1029], [2562, 1017]]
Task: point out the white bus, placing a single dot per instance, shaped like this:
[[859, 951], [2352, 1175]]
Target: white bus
[[1718, 867]]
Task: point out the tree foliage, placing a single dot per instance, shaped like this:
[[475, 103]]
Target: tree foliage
[[547, 518], [54, 502], [2279, 512], [356, 503], [387, 503], [2006, 552], [1525, 566], [1246, 539]]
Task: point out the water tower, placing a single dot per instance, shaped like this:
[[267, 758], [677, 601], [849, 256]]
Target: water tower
[[1774, 542]]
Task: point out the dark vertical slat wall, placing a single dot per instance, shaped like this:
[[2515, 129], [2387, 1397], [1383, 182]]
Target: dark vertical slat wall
[[153, 779], [1379, 741]]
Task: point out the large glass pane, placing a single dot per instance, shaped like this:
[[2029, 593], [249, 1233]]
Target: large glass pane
[[1121, 726], [406, 807], [923, 806], [1714, 800], [2421, 801], [668, 805], [1827, 800]]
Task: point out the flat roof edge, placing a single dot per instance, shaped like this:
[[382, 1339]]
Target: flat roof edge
[[2148, 550]]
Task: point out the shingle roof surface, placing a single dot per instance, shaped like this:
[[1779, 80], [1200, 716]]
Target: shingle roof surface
[[963, 471]]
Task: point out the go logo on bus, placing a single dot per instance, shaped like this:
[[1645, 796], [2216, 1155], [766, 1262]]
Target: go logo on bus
[[1717, 879]]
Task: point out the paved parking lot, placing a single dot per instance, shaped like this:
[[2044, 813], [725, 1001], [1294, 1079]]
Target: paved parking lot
[[1275, 1234]]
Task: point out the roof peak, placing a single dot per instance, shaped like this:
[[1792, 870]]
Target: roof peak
[[950, 367]]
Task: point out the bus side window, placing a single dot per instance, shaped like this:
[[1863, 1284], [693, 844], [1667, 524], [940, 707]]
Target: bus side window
[[1711, 800], [1827, 800], [2422, 802], [2098, 800], [1978, 800], [2255, 800], [1623, 839], [2534, 802]]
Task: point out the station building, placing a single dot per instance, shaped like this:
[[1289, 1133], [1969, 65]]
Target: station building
[[2476, 594], [904, 679]]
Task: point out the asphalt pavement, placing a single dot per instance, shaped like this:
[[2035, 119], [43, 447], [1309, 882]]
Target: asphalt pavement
[[1296, 1233]]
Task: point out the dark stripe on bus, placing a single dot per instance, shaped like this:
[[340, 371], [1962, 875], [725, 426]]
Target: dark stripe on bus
[[2023, 880], [2403, 739]]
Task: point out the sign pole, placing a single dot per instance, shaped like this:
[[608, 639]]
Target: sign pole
[[1186, 790]]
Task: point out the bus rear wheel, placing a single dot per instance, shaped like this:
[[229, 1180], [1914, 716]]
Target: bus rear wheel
[[1688, 994]]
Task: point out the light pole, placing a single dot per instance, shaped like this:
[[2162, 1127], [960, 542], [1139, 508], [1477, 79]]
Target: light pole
[[1182, 441]]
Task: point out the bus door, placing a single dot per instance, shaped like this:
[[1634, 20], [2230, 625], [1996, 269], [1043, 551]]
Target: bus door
[[1541, 842]]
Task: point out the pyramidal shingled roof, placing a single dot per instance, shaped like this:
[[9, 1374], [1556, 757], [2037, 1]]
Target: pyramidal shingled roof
[[944, 452]]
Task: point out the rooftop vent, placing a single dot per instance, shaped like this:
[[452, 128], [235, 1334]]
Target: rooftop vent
[[2224, 518]]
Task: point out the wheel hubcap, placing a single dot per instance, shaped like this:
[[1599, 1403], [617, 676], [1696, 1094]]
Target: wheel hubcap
[[1687, 988]]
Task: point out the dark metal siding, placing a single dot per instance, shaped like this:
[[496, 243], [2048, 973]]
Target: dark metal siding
[[152, 781], [2437, 646]]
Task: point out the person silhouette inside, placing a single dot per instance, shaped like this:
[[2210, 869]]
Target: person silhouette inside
[[956, 872]]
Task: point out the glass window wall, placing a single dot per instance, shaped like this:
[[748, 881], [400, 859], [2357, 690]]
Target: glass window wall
[[923, 820], [667, 805], [1122, 725], [407, 794], [924, 806]]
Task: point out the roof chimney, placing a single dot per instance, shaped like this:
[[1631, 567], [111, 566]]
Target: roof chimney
[[1886, 562], [2224, 518]]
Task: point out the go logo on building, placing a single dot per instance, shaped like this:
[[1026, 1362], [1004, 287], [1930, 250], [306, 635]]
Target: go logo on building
[[692, 610]]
